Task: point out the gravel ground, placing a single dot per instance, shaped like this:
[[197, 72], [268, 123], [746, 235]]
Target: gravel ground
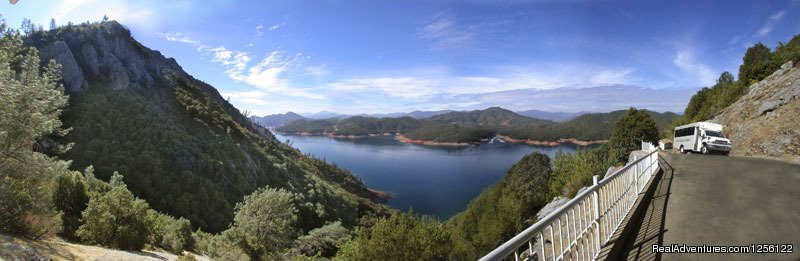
[[21, 249]]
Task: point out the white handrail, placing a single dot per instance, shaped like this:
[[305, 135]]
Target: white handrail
[[575, 230]]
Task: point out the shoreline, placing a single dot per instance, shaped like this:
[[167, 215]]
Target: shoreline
[[404, 139], [401, 138]]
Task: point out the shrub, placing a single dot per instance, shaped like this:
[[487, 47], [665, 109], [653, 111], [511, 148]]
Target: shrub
[[116, 219], [264, 222], [403, 236], [71, 198], [322, 241]]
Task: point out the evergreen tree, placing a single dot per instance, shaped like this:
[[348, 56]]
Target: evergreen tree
[[635, 127], [116, 219], [53, 25], [70, 196], [756, 64], [264, 222], [31, 101]]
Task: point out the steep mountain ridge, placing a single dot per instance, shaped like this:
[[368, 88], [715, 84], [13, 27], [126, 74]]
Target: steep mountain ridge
[[764, 122], [277, 120], [176, 141]]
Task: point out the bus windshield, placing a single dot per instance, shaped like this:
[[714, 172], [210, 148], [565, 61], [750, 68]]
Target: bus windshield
[[715, 134]]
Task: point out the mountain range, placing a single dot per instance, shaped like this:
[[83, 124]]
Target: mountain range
[[178, 144]]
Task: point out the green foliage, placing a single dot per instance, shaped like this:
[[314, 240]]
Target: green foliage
[[226, 247], [788, 52], [403, 236], [571, 172], [592, 126], [501, 211], [182, 147], [445, 132], [70, 196], [202, 240], [116, 219], [264, 222], [309, 126], [322, 241], [629, 132], [756, 64], [32, 101], [178, 236]]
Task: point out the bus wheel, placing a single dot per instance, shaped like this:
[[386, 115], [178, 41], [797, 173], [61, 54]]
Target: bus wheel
[[682, 150], [704, 150]]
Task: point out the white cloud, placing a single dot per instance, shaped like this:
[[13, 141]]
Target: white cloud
[[275, 27], [178, 37], [770, 24], [686, 61], [269, 74], [612, 77], [400, 87], [446, 36], [66, 7]]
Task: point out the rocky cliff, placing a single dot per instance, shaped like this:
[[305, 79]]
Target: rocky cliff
[[766, 121], [178, 144]]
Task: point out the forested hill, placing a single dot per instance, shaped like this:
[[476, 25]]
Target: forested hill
[[591, 126], [473, 126], [494, 116], [177, 142], [276, 120]]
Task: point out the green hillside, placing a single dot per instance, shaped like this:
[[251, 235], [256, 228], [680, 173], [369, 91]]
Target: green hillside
[[759, 61], [178, 143]]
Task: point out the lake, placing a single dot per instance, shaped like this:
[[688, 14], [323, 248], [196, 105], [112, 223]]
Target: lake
[[433, 180]]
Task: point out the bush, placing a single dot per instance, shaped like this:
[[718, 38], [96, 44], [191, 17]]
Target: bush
[[71, 198], [178, 236], [629, 131], [503, 210], [116, 219], [403, 236], [264, 222], [322, 241]]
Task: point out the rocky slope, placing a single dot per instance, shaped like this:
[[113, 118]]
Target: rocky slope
[[177, 142], [765, 121]]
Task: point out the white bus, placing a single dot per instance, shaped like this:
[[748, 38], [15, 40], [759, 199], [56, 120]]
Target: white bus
[[704, 137]]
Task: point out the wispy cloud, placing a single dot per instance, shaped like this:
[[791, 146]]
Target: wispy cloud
[[269, 74], [774, 19], [400, 87], [686, 61], [444, 34]]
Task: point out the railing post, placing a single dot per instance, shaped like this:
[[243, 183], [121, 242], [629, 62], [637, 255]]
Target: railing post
[[636, 174], [596, 200]]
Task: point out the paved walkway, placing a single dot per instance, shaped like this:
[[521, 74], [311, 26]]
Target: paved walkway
[[716, 201]]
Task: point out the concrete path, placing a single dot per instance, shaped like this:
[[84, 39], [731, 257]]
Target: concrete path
[[717, 201]]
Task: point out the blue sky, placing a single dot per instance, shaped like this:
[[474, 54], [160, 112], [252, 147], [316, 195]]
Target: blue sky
[[396, 56]]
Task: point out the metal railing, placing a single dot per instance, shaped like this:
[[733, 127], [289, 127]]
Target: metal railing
[[578, 229]]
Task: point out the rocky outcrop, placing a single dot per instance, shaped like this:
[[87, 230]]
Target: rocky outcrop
[[71, 72], [765, 121], [106, 54]]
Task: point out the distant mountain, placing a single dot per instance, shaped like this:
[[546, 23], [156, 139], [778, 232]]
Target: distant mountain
[[276, 120], [590, 126], [494, 116], [414, 114], [325, 115], [178, 143], [472, 126], [553, 116]]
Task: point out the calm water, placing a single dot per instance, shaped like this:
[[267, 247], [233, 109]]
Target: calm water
[[432, 180]]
